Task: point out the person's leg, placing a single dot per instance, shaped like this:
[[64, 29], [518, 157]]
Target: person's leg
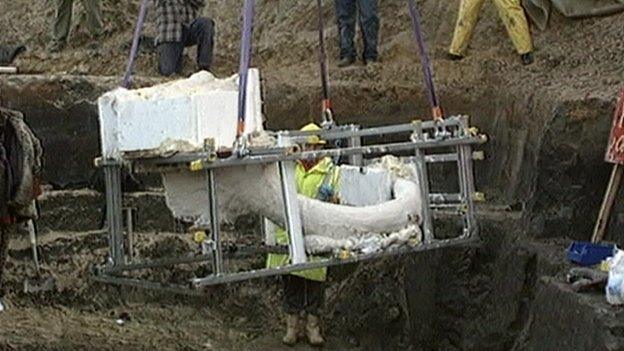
[[293, 305], [369, 24], [170, 58], [314, 299], [294, 294], [94, 17], [6, 231], [345, 15], [515, 20], [62, 22], [314, 296], [201, 33], [466, 21]]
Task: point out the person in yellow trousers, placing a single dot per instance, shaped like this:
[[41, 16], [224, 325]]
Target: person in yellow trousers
[[304, 291], [513, 17]]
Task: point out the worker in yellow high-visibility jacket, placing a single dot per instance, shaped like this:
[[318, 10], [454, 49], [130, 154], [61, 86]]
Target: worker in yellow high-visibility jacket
[[513, 16], [304, 291]]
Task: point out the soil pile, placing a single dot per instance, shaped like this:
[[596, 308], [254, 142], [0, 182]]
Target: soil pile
[[573, 58]]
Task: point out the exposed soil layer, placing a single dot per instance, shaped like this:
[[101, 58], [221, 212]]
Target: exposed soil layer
[[377, 305], [543, 176]]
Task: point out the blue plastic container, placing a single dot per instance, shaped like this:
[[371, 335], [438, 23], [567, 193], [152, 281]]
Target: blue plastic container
[[588, 254]]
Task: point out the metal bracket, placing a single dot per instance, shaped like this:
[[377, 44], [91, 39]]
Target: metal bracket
[[355, 141], [112, 174], [292, 214], [214, 222]]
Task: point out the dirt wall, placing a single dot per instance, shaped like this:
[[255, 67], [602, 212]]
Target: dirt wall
[[550, 164]]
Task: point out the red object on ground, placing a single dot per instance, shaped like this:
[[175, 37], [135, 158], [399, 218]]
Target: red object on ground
[[8, 220], [615, 150]]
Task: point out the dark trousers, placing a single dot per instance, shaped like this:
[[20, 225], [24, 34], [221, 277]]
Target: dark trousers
[[302, 295], [346, 11], [200, 33], [6, 232]]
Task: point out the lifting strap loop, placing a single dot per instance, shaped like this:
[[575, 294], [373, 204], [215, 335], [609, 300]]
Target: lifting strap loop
[[127, 80], [326, 111], [245, 61], [436, 110]]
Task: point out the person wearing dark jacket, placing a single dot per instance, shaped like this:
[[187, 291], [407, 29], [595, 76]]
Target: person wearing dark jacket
[[20, 170], [366, 13], [178, 27]]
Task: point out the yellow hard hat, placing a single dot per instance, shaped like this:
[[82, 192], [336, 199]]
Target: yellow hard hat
[[313, 139]]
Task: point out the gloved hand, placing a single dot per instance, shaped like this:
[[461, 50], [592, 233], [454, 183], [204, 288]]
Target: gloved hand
[[325, 193]]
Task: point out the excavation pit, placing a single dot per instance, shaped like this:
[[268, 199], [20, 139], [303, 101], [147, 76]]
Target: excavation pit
[[487, 296]]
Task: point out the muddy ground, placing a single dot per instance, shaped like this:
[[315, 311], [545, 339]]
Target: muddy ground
[[543, 178]]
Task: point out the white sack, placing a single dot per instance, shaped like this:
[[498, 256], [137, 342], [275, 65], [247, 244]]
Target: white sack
[[615, 284]]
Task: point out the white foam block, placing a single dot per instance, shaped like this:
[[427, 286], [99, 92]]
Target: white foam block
[[191, 109], [364, 186]]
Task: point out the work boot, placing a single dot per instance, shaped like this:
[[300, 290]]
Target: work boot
[[527, 58], [313, 331], [346, 61], [94, 45], [292, 325], [371, 61], [56, 47], [454, 57], [301, 333]]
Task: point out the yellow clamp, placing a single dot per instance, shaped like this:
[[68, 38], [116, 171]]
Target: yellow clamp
[[197, 165], [478, 155], [478, 197], [474, 131], [414, 241], [199, 236], [344, 254]]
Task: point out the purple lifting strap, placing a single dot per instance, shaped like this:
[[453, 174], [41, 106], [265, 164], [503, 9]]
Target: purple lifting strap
[[322, 52], [127, 80], [424, 57], [245, 60]]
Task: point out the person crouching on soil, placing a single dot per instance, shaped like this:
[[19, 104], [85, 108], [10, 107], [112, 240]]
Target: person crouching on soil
[[304, 291], [178, 27], [20, 169]]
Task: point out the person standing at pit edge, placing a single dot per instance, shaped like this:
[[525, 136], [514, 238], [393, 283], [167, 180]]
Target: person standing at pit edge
[[513, 16], [62, 22], [179, 27], [346, 13]]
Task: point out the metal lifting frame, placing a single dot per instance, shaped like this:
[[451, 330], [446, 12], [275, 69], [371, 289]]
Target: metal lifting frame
[[423, 136]]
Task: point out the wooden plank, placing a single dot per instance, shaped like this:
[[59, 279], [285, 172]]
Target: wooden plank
[[607, 203], [8, 70]]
